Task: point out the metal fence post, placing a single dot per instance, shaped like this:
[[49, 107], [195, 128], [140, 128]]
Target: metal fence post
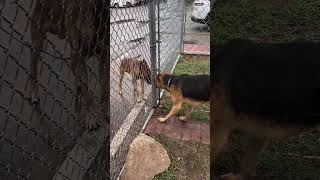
[[153, 48], [183, 26], [159, 44]]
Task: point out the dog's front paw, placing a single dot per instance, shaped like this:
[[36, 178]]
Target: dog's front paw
[[138, 100], [162, 120], [34, 100], [144, 98], [182, 118], [32, 92], [87, 117], [230, 176], [92, 124], [88, 122]]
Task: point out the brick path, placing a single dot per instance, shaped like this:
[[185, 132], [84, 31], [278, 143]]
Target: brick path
[[176, 129], [198, 49]]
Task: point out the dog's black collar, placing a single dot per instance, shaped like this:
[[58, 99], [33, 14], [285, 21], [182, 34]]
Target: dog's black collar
[[168, 84]]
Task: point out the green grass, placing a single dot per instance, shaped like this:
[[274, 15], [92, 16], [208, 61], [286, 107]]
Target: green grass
[[197, 66], [283, 158], [167, 175], [200, 65], [256, 20]]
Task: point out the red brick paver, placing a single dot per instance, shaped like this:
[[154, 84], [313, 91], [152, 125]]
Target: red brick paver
[[176, 129], [197, 49]]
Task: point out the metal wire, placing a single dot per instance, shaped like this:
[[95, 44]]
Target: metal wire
[[46, 110], [140, 31]]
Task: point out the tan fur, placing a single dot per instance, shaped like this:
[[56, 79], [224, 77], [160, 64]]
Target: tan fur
[[132, 66], [224, 121], [177, 100], [63, 18]]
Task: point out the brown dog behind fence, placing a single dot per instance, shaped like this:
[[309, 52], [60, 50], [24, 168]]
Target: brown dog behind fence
[[139, 70], [82, 24]]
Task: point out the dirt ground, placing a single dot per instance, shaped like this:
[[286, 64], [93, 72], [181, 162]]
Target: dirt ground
[[189, 160]]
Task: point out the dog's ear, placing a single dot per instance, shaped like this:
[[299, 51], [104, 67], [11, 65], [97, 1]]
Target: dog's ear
[[144, 61], [144, 65], [157, 76]]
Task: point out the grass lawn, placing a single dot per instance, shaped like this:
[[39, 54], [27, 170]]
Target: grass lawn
[[255, 20], [297, 157], [187, 65]]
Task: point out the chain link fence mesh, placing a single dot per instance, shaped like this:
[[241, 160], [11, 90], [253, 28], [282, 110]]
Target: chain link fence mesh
[[54, 59], [147, 37], [170, 23], [131, 76], [53, 80], [196, 39]]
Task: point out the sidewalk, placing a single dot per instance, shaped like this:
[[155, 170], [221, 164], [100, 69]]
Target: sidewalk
[[196, 49]]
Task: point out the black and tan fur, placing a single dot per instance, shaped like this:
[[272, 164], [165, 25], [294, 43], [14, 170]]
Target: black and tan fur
[[83, 24], [265, 91], [192, 90], [139, 70]]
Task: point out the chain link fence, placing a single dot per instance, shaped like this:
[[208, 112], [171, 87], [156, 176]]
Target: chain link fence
[[146, 37], [54, 58], [53, 82], [132, 68], [183, 29], [196, 39], [130, 74]]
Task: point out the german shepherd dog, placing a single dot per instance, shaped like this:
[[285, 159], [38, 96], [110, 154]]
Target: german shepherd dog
[[266, 91], [138, 70], [190, 89], [83, 24]]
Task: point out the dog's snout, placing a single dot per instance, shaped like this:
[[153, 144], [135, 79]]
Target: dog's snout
[[155, 79], [148, 78]]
